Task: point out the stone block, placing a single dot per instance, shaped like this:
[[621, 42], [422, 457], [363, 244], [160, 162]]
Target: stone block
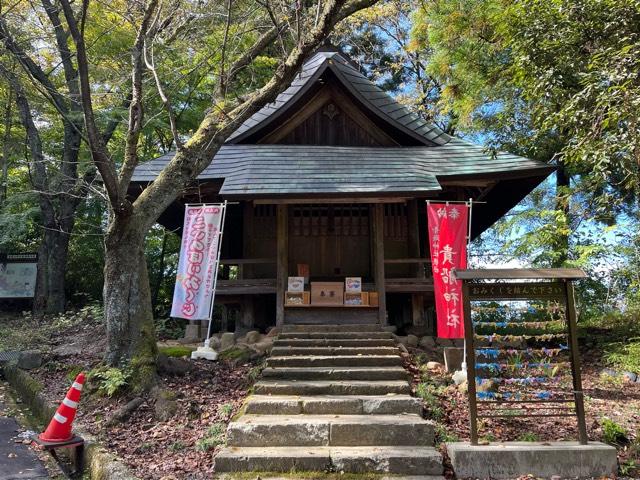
[[227, 340], [252, 337], [427, 342], [272, 459], [30, 359], [273, 406], [412, 341], [332, 406], [395, 430], [258, 431], [192, 333], [453, 358], [542, 460]]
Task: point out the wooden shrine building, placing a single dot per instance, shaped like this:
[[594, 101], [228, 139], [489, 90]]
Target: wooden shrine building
[[334, 175]]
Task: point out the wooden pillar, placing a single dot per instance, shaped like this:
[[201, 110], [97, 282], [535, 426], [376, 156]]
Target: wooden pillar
[[413, 234], [246, 320], [378, 249], [282, 232], [246, 271], [413, 240]]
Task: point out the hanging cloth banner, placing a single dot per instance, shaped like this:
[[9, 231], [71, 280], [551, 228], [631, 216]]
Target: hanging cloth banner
[[447, 226], [198, 265]]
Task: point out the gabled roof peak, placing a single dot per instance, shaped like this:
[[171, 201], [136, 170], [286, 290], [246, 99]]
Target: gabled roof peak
[[374, 99]]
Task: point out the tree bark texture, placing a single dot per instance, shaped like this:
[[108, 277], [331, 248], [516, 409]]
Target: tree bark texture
[[127, 301]]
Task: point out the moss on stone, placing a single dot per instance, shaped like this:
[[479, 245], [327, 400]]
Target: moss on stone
[[235, 353], [176, 351]]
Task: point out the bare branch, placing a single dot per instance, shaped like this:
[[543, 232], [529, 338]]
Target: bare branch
[[150, 63], [136, 110], [40, 178]]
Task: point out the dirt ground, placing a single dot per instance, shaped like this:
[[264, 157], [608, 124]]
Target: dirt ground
[[605, 398], [182, 446]]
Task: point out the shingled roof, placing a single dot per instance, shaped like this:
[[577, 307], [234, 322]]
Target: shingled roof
[[246, 168], [271, 170], [370, 95]]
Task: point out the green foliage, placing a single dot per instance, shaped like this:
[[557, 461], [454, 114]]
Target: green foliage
[[214, 437], [613, 433], [169, 328], [73, 371], [428, 393], [110, 380], [618, 336], [177, 446], [226, 409], [624, 355]]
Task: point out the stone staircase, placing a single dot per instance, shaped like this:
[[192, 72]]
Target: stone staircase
[[333, 398]]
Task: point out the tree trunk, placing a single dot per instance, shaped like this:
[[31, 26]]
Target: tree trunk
[[127, 302], [561, 246], [52, 259], [160, 275]]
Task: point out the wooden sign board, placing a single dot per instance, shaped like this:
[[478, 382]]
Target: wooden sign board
[[517, 291], [327, 293]]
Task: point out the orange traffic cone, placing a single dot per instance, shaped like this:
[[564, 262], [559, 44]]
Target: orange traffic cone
[[59, 429]]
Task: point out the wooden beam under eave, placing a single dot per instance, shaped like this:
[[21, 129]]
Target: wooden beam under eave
[[378, 250], [282, 233], [319, 200]]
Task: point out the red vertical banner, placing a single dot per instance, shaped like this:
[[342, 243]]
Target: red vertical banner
[[448, 228]]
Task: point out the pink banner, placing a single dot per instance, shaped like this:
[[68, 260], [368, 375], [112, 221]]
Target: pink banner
[[448, 226], [198, 265]]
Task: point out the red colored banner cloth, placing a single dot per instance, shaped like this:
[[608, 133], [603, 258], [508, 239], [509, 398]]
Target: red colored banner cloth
[[448, 227]]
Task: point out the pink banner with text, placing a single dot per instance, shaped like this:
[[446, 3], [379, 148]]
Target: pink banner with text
[[198, 262]]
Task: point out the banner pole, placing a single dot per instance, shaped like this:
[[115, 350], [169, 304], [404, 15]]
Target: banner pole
[[215, 273], [463, 367]]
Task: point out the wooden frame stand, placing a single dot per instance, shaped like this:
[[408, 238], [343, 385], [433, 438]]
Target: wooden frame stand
[[523, 285]]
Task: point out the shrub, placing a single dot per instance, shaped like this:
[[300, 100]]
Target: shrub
[[613, 433], [427, 393], [110, 380]]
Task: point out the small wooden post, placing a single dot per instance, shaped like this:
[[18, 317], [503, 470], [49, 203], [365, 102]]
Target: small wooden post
[[282, 232], [413, 232], [471, 363], [378, 248], [575, 362]]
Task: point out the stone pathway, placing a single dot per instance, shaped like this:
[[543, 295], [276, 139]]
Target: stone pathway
[[17, 460], [333, 398]]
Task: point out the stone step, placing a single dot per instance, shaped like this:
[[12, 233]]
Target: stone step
[[336, 361], [355, 327], [329, 430], [334, 335], [326, 351], [336, 373], [335, 342], [335, 387], [409, 460], [333, 404]]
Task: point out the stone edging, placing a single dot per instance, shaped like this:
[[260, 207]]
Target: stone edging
[[99, 463]]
